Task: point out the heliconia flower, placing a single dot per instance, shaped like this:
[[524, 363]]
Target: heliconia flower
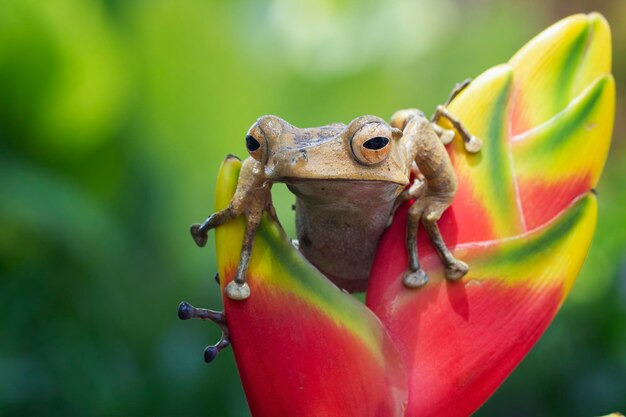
[[523, 220], [302, 346]]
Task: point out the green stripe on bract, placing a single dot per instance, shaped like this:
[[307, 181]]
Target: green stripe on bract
[[569, 69], [497, 149], [551, 237], [562, 128], [523, 250], [294, 274]]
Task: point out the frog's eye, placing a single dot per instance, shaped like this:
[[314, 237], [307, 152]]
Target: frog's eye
[[256, 144], [371, 144], [376, 143], [252, 144]]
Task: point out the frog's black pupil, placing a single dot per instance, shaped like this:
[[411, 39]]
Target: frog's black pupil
[[376, 143], [252, 144]]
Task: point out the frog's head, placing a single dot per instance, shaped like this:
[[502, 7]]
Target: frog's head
[[367, 149]]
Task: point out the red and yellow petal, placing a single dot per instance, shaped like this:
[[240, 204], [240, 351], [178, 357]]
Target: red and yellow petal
[[523, 220], [564, 157], [302, 346], [556, 66], [459, 341], [486, 199]]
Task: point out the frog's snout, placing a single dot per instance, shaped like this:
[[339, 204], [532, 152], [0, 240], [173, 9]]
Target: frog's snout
[[287, 164]]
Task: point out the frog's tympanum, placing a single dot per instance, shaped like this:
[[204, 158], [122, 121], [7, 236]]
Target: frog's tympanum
[[348, 181]]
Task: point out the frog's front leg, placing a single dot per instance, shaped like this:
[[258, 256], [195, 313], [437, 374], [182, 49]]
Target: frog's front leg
[[435, 195], [472, 143], [238, 288], [251, 198]]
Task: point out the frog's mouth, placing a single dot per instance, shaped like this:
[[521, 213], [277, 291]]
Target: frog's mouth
[[344, 181]]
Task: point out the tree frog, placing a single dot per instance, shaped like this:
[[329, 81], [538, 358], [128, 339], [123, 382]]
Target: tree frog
[[348, 181]]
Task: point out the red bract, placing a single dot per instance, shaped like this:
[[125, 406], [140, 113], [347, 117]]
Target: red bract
[[303, 347], [523, 220]]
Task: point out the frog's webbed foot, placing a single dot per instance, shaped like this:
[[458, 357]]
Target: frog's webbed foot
[[415, 279], [456, 270], [199, 236], [445, 135], [237, 291], [186, 311]]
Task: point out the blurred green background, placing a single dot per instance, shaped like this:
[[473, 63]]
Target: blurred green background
[[114, 117]]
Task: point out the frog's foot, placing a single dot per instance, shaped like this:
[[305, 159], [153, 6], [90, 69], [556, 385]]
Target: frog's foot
[[199, 235], [199, 232], [237, 291], [446, 136], [473, 144], [211, 352], [186, 311], [415, 279], [456, 270]]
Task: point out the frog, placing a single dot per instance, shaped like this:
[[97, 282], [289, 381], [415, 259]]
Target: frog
[[348, 180]]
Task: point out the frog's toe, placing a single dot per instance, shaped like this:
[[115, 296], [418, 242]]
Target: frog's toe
[[236, 291], [415, 279], [447, 136], [473, 145], [198, 235], [456, 270]]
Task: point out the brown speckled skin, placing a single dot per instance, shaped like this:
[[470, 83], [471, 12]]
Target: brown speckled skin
[[342, 205], [348, 181]]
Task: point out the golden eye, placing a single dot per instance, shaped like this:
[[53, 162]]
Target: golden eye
[[257, 144], [370, 144]]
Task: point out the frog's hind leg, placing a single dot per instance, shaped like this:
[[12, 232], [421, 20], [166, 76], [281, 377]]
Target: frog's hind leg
[[414, 276], [455, 269], [428, 215], [186, 311]]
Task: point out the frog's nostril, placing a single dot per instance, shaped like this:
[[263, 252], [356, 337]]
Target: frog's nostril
[[301, 156]]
